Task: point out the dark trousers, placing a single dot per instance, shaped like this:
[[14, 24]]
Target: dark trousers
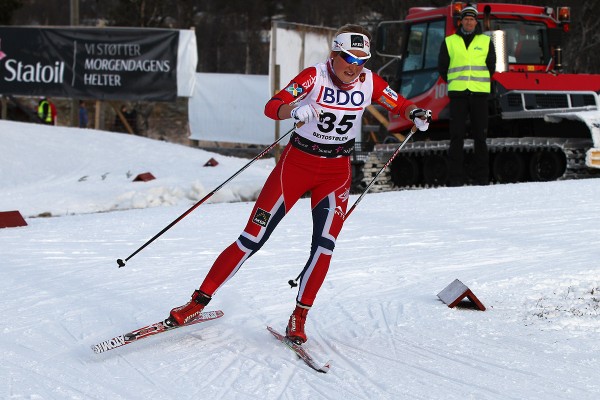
[[474, 106]]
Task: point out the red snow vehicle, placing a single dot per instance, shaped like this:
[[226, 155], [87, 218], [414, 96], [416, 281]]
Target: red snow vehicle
[[544, 125]]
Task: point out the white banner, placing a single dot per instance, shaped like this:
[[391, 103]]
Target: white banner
[[187, 61], [295, 47], [230, 108]]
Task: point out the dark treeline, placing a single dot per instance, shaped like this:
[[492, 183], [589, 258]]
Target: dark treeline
[[233, 35]]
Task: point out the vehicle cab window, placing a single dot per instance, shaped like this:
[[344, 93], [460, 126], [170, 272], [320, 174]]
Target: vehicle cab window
[[419, 67], [524, 41]]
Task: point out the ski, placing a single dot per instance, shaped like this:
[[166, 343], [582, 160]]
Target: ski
[[300, 351], [150, 330]]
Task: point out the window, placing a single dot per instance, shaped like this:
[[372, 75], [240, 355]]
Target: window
[[419, 68], [524, 41]]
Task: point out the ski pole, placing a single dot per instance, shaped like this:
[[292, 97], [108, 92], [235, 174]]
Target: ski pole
[[121, 262], [396, 152]]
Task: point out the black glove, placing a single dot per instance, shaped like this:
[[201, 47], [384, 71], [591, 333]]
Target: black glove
[[421, 114]]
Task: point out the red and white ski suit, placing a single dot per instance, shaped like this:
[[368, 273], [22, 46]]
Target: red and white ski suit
[[317, 161]]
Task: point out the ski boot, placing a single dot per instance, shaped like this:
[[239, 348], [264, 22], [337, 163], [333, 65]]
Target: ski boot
[[181, 315], [295, 327]]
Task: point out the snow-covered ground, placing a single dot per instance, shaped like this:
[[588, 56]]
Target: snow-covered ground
[[530, 252]]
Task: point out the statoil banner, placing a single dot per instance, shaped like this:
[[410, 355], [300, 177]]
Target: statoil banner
[[97, 63]]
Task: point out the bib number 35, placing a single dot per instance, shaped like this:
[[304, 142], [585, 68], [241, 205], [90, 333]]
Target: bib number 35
[[327, 123]]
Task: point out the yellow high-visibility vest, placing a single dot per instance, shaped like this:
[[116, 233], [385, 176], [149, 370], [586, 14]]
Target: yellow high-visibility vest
[[48, 117], [467, 68]]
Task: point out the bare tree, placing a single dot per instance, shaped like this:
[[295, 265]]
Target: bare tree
[[232, 35], [7, 9], [583, 44]]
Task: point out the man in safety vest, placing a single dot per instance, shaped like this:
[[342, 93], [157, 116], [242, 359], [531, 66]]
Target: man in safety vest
[[45, 111], [467, 61]]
